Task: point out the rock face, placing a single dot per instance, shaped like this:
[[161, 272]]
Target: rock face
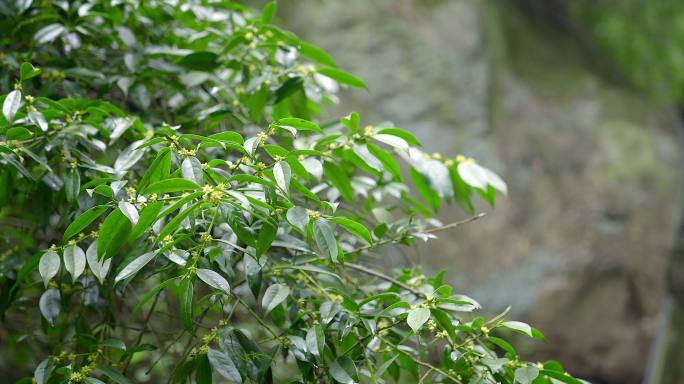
[[578, 247]]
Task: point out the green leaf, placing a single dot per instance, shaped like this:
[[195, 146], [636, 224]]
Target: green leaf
[[72, 185], [325, 239], [186, 293], [97, 267], [355, 228], [176, 221], [224, 365], [199, 61], [268, 12], [147, 217], [44, 370], [562, 377], [417, 317], [159, 169], [351, 121], [228, 136], [462, 191], [299, 124], [18, 133], [171, 185], [114, 375], [423, 187], [282, 175], [28, 71], [473, 174], [49, 266], [241, 230], [444, 321], [329, 310], [388, 161], [11, 105], [343, 370], [274, 295], [203, 370], [339, 180], [130, 211], [49, 33], [213, 279], [298, 217], [394, 141], [113, 233], [252, 274], [503, 344], [265, 238], [49, 305], [402, 133], [83, 221], [342, 77], [134, 266], [74, 261], [316, 54], [289, 88], [523, 328], [191, 169], [526, 375], [315, 340], [385, 296], [38, 119]]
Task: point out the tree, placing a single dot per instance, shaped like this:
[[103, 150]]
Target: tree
[[173, 207]]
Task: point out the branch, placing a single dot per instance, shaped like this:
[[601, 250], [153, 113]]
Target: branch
[[431, 230], [142, 331], [380, 275], [420, 362]]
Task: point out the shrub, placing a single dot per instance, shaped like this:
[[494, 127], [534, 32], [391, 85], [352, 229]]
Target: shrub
[[172, 209]]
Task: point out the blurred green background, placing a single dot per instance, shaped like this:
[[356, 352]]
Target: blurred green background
[[577, 105]]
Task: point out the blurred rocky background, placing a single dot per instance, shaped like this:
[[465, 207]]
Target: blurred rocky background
[[580, 245]]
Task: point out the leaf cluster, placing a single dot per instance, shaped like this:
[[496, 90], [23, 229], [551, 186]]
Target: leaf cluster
[[172, 206]]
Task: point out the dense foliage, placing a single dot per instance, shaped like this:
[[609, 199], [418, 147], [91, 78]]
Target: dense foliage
[[172, 209]]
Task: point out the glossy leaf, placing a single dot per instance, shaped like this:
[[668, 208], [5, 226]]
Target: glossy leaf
[[170, 186], [342, 77], [325, 239], [339, 180], [224, 365], [83, 221], [11, 105], [186, 292], [49, 266], [298, 217], [354, 227], [274, 295], [134, 266], [113, 232], [28, 71], [74, 261], [213, 279], [417, 317]]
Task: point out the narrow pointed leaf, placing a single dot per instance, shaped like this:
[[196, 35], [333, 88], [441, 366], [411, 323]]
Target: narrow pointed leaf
[[83, 221], [213, 279], [274, 295]]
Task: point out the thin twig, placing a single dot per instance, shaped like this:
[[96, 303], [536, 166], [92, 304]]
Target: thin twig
[[431, 230], [418, 361], [142, 331], [255, 316], [380, 275]]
